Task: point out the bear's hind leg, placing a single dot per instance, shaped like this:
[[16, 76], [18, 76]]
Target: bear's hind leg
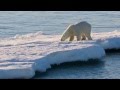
[[88, 36]]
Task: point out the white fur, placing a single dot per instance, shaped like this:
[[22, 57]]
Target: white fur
[[81, 30]]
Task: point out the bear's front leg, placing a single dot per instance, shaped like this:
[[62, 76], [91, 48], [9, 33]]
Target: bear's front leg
[[71, 38], [89, 36]]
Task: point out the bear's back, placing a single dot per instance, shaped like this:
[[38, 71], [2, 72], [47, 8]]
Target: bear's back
[[82, 27], [83, 24]]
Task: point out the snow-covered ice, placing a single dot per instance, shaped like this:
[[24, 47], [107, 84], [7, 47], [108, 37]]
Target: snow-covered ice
[[22, 55], [108, 40]]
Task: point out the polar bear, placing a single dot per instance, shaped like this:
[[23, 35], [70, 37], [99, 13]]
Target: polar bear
[[81, 30]]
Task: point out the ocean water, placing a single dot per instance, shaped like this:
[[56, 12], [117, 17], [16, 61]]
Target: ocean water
[[109, 68], [55, 22]]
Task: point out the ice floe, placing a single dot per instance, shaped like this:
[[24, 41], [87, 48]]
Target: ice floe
[[22, 55]]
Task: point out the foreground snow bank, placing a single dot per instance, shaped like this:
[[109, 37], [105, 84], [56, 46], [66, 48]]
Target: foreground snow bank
[[21, 61], [21, 56], [69, 53]]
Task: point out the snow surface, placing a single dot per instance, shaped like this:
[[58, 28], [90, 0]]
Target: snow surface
[[22, 55]]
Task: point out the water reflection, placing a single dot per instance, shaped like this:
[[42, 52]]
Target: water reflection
[[72, 70], [108, 68]]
